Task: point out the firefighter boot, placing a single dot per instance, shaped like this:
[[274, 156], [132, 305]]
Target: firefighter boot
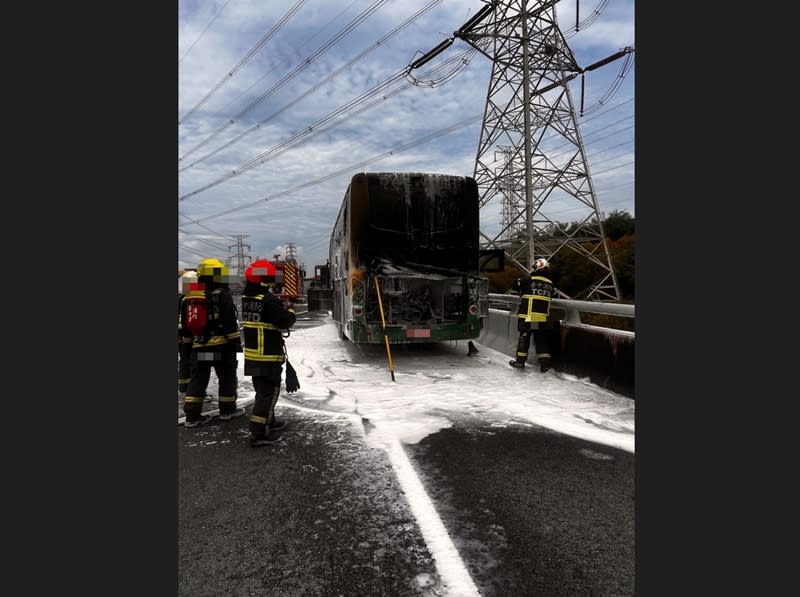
[[265, 440], [197, 422], [228, 415]]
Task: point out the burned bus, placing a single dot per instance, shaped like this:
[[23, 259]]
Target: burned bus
[[404, 259]]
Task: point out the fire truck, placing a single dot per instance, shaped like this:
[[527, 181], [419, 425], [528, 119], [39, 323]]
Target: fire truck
[[288, 278]]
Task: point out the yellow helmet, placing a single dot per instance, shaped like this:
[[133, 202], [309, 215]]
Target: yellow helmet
[[212, 268]]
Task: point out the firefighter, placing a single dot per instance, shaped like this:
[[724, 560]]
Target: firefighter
[[215, 346], [533, 318], [264, 320], [185, 283]]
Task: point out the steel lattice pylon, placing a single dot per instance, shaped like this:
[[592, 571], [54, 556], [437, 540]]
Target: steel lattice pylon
[[531, 156], [242, 258]]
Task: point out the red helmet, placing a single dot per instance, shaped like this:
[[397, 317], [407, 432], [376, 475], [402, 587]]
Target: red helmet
[[260, 271]]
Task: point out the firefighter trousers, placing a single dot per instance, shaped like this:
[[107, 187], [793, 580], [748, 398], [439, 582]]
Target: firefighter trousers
[[184, 363], [224, 364], [541, 336], [268, 388]]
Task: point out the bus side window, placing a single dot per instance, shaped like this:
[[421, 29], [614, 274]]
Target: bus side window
[[347, 280]]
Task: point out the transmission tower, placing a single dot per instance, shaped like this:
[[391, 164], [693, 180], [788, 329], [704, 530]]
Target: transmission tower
[[291, 257], [531, 157], [291, 253], [242, 259], [513, 194]]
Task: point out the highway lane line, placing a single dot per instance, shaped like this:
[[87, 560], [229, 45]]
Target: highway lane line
[[449, 564]]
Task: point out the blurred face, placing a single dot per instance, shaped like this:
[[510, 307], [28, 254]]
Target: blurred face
[[186, 284]]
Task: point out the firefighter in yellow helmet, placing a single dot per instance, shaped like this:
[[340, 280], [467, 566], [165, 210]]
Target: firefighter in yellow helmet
[[533, 318], [215, 343]]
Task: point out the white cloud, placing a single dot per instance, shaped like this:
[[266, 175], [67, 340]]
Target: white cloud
[[306, 217]]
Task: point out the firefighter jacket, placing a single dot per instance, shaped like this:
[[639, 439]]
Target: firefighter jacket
[[264, 319], [536, 291], [222, 330]]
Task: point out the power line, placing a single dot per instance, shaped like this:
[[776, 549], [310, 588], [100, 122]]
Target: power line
[[214, 18], [584, 24], [214, 232], [325, 123], [309, 133], [248, 56], [352, 168], [276, 65], [371, 160], [529, 117], [203, 240], [319, 85], [331, 42], [191, 250], [316, 127]]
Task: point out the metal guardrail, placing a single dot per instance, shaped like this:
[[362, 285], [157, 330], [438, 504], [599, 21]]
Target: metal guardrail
[[572, 309]]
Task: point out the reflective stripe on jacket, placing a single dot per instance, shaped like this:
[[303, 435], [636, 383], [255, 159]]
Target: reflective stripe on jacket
[[264, 318], [223, 323], [534, 305], [260, 343]]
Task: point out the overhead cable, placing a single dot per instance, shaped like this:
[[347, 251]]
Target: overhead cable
[[214, 18], [243, 61], [326, 120], [348, 169], [304, 64], [314, 88]]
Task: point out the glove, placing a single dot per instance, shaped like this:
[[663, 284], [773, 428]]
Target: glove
[[237, 344], [292, 384]]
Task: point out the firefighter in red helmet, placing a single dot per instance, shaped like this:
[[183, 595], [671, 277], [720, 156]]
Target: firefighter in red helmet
[[264, 321]]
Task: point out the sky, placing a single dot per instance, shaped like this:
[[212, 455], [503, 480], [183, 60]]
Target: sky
[[280, 103], [435, 387]]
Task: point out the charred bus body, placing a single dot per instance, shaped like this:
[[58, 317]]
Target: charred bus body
[[417, 235]]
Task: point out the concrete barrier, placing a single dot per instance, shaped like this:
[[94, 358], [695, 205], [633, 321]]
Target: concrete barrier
[[603, 355]]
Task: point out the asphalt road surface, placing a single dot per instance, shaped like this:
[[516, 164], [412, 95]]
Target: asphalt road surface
[[321, 513], [516, 510]]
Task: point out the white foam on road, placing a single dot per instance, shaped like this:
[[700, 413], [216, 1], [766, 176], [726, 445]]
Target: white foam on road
[[451, 568]]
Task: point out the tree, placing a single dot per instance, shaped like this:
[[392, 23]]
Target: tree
[[623, 257], [576, 272], [618, 224]]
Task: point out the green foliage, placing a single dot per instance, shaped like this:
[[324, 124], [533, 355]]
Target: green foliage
[[576, 273], [614, 322], [500, 282], [619, 224], [623, 258]]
